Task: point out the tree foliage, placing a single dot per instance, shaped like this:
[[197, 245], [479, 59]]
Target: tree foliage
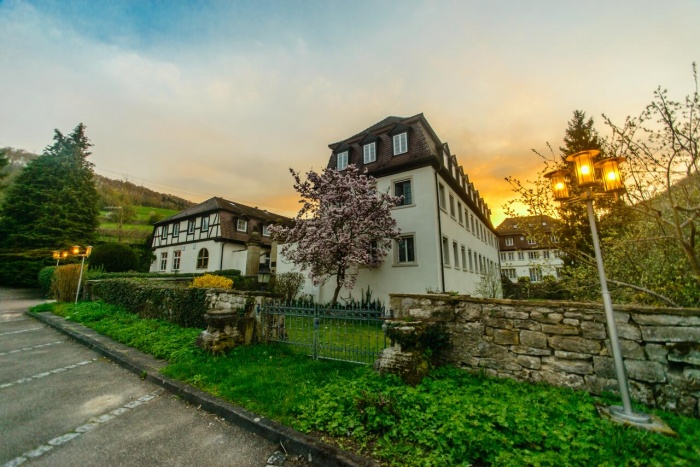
[[53, 201], [114, 257], [344, 224]]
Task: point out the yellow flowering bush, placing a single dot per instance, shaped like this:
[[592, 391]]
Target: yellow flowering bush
[[210, 281]]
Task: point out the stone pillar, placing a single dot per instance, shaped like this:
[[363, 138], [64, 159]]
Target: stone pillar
[[252, 263]]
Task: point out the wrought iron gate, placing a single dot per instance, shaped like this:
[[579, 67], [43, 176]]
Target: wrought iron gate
[[348, 334]]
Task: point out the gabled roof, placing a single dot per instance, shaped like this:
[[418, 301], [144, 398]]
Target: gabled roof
[[221, 204], [519, 225]]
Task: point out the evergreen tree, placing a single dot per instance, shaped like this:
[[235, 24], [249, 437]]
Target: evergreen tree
[[580, 135], [53, 202]]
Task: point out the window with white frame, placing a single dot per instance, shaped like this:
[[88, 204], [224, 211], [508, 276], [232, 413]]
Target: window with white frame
[[509, 241], [452, 205], [545, 254], [163, 260], [406, 251], [466, 219], [400, 143], [510, 273], [511, 256], [403, 188], [521, 255], [176, 260], [176, 229], [464, 258], [455, 254], [472, 218], [164, 232], [205, 223], [471, 263], [266, 230], [459, 210], [535, 274], [503, 256], [446, 251], [190, 226], [441, 196], [554, 238], [531, 241], [533, 255], [342, 160], [242, 225], [369, 152]]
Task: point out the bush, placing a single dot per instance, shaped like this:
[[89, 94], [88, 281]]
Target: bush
[[210, 281], [22, 271], [114, 257], [288, 284], [65, 282], [230, 273], [154, 299], [45, 278]]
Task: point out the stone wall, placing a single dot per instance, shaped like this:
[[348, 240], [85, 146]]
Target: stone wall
[[565, 344]]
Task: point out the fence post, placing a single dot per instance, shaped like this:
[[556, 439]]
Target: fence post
[[316, 326]]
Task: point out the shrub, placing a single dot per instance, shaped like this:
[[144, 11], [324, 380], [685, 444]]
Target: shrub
[[114, 257], [210, 281], [45, 278], [230, 273], [65, 282], [154, 299], [288, 284], [20, 270]]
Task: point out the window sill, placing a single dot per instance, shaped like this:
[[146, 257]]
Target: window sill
[[404, 265], [404, 206]]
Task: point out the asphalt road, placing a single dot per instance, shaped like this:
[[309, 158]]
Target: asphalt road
[[62, 404]]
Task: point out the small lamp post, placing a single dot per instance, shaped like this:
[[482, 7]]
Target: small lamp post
[[585, 171], [263, 276], [75, 251], [59, 255]]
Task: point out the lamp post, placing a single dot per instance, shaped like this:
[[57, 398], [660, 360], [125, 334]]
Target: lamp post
[[264, 276], [59, 255], [75, 251], [585, 170]]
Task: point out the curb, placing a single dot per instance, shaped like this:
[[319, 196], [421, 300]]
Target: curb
[[147, 367]]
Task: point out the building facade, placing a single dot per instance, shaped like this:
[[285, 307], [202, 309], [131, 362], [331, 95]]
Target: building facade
[[448, 242], [214, 235], [528, 248]]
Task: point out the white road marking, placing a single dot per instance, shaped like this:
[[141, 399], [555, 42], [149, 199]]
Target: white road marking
[[30, 348], [90, 425], [46, 373], [17, 332]]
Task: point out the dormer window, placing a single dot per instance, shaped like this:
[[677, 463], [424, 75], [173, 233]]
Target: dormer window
[[342, 160], [266, 230], [369, 152], [242, 225], [400, 143]]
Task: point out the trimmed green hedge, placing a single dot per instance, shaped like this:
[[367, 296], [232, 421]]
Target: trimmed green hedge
[[17, 272], [45, 278], [155, 299], [230, 273]]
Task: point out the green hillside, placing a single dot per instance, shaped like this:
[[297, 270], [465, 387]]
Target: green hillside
[[136, 230]]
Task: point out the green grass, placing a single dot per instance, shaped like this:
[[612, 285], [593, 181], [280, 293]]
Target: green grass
[[451, 418], [137, 230]]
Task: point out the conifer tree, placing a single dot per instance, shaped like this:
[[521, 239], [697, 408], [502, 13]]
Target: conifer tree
[[53, 201]]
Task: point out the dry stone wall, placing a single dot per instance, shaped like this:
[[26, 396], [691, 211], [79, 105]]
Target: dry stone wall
[[566, 344]]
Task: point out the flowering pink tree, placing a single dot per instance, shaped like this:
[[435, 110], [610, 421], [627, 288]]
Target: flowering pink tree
[[344, 223]]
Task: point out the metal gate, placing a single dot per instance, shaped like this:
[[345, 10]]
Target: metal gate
[[349, 334]]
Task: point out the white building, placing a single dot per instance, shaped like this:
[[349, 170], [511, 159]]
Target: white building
[[528, 249], [448, 242], [214, 235]]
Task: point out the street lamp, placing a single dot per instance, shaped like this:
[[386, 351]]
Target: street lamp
[[59, 255], [263, 276], [75, 251], [585, 166]]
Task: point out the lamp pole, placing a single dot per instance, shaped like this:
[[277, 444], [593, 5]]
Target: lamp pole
[[76, 251], [612, 184]]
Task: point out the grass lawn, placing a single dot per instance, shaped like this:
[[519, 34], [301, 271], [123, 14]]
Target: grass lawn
[[451, 418]]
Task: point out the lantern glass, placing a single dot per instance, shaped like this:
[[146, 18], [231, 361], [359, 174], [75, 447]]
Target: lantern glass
[[74, 250], [583, 162], [88, 250], [56, 255], [610, 169], [560, 186], [64, 254]]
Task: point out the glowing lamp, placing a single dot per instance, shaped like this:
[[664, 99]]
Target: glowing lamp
[[74, 250], [88, 250], [64, 254], [584, 167], [56, 255], [560, 186], [610, 170]]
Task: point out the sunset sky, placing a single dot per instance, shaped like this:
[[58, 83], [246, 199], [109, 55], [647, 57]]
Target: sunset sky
[[203, 99]]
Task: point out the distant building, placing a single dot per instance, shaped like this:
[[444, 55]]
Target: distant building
[[447, 239], [527, 246], [214, 235]]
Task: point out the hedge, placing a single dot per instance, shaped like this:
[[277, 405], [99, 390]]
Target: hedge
[[230, 273], [155, 299]]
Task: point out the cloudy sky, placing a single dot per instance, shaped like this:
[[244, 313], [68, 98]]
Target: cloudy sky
[[204, 99]]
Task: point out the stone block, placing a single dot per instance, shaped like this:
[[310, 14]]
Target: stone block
[[593, 330], [580, 367], [506, 337], [516, 315], [597, 385], [467, 314], [572, 355], [604, 367], [618, 316], [488, 331], [527, 324], [670, 334], [526, 361], [567, 380], [487, 350], [689, 355], [574, 344], [546, 317], [497, 364], [524, 350], [628, 331], [501, 323], [642, 370], [583, 316], [560, 329], [642, 392], [665, 320], [630, 349], [571, 321], [533, 339]]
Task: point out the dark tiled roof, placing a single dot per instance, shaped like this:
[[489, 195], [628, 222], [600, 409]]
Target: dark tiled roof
[[518, 225], [221, 204]]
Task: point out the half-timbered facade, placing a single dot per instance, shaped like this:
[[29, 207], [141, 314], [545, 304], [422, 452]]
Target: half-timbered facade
[[528, 248], [214, 235], [448, 242]]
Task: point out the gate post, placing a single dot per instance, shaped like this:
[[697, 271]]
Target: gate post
[[316, 326]]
